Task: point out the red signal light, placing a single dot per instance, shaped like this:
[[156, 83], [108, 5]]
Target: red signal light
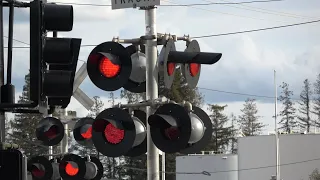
[[113, 134], [107, 68], [88, 133], [52, 132], [70, 170], [36, 172], [172, 133], [170, 68], [194, 69]]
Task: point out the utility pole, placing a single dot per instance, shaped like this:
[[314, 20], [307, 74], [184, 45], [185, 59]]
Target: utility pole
[[2, 113], [276, 129], [64, 142], [151, 88]]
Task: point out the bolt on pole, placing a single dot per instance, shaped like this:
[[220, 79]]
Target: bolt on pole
[[151, 89]]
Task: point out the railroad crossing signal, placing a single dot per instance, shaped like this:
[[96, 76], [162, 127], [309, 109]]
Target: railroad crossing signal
[[53, 61], [111, 66], [50, 131], [174, 129], [191, 60], [82, 131], [117, 132]]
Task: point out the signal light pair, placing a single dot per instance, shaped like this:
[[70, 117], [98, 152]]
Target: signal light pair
[[71, 167], [111, 66]]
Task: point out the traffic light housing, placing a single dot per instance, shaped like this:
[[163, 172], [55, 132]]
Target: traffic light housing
[[116, 132], [174, 129], [111, 66], [190, 62], [50, 131], [40, 168], [82, 131], [53, 61], [11, 163], [72, 167], [94, 168]]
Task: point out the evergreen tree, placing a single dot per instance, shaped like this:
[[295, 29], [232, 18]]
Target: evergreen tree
[[222, 134], [316, 108], [23, 126], [315, 175], [305, 107], [234, 135], [288, 113], [249, 120]]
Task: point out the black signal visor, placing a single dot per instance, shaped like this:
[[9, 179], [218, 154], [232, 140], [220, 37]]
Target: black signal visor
[[194, 57]]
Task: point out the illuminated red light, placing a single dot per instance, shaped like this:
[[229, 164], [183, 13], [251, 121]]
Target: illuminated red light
[[107, 68], [88, 133], [170, 68], [70, 170], [52, 132], [172, 133], [194, 69], [37, 172], [113, 134]]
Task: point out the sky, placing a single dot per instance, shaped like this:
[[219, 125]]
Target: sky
[[248, 60]]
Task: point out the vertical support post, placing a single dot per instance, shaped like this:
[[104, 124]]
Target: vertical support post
[[163, 166], [64, 142], [152, 90], [2, 113], [275, 128]]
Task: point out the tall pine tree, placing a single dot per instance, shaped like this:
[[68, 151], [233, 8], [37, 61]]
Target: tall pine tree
[[222, 134], [316, 107], [249, 120], [288, 113], [305, 106], [23, 126], [233, 142]]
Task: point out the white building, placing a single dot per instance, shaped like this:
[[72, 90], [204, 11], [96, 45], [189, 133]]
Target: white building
[[256, 159]]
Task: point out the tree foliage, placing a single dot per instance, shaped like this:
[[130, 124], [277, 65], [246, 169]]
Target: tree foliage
[[314, 175], [249, 120], [316, 107], [305, 106], [222, 134], [288, 113], [233, 142]]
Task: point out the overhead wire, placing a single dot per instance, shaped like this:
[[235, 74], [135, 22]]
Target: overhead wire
[[255, 10]]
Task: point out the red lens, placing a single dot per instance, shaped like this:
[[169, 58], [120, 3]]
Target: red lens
[[52, 132], [107, 68], [88, 132], [194, 69], [170, 68], [36, 172], [172, 133], [113, 134], [70, 170]]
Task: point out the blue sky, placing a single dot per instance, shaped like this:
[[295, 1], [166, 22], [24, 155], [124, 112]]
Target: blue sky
[[248, 59]]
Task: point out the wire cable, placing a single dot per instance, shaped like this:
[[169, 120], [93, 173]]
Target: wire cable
[[255, 30]]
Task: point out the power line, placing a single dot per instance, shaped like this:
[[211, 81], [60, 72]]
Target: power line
[[176, 5], [255, 30]]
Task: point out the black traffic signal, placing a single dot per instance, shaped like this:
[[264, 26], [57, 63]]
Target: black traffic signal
[[111, 66], [50, 131], [174, 129], [40, 168], [11, 164], [190, 60], [94, 168], [82, 131], [118, 132], [53, 61]]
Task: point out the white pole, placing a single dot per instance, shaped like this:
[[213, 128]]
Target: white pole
[[64, 142], [163, 166], [276, 129]]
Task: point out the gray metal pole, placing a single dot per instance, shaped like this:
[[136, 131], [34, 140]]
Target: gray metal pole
[[64, 142], [2, 113], [152, 90], [275, 128], [163, 167]]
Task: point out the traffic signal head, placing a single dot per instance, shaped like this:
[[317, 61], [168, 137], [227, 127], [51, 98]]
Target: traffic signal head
[[137, 80], [109, 66], [167, 69], [174, 129], [115, 133], [82, 131], [94, 168], [191, 60], [50, 131], [72, 167], [40, 168]]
